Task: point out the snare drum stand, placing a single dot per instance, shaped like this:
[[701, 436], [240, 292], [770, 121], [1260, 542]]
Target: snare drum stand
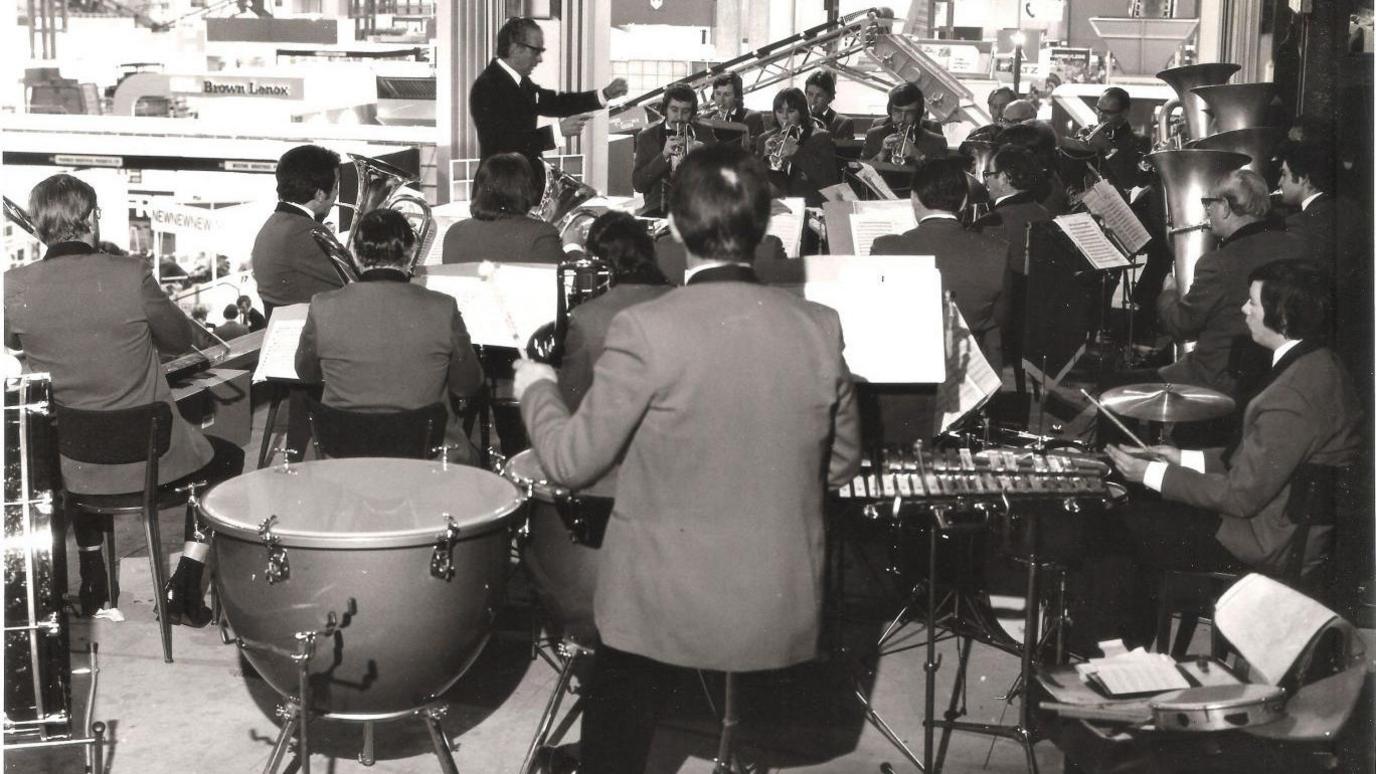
[[296, 712]]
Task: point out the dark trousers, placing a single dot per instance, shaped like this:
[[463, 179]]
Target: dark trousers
[[227, 462], [625, 698]]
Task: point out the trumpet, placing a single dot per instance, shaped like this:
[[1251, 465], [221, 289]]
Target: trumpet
[[775, 146], [683, 132]]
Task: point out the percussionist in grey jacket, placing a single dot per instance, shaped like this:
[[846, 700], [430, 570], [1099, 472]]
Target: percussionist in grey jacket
[[730, 406]]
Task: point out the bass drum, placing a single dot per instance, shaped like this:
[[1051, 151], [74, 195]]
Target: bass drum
[[558, 557], [37, 654], [409, 555]]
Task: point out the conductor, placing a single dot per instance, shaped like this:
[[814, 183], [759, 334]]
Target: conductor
[[736, 466], [504, 101]]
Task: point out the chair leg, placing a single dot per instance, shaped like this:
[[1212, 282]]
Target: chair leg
[[111, 565], [155, 561]]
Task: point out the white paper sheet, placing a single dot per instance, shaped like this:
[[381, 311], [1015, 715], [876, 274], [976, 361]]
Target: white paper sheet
[[1090, 240], [277, 358], [1136, 672], [970, 380], [875, 181], [1269, 623], [504, 308], [872, 220], [786, 223], [1103, 200], [883, 301]]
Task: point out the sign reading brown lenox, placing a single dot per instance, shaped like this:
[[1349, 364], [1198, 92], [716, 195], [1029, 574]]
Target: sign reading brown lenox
[[239, 86]]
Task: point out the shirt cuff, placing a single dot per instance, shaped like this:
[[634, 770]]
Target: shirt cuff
[[601, 98], [558, 134], [1192, 459], [573, 248], [1155, 474]]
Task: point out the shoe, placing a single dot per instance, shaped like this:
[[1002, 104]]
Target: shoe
[[556, 760], [184, 604], [95, 587]]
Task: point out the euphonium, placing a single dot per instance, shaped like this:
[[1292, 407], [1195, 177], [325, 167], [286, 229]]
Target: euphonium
[[777, 162], [563, 193], [379, 185]]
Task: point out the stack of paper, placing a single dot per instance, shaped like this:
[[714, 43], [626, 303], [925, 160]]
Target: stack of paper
[[1135, 672]]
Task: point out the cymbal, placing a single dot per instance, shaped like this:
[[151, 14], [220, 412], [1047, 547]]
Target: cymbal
[[1158, 402]]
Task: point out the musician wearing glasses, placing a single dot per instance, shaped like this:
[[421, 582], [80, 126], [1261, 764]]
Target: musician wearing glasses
[[383, 343], [729, 407], [288, 265], [659, 149], [1111, 145], [799, 153], [1209, 314], [728, 102], [820, 90], [900, 138], [96, 322], [505, 102], [501, 228]]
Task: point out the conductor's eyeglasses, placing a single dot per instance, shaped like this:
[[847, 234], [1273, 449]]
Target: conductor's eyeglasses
[[536, 49]]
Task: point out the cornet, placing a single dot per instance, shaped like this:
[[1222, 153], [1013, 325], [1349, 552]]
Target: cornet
[[775, 146], [907, 138], [685, 134]]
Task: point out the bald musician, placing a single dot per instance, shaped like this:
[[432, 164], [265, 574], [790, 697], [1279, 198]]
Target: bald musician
[[1111, 143], [730, 406]]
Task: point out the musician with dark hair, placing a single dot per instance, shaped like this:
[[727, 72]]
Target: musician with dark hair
[[1305, 416], [660, 148], [799, 154], [501, 228], [900, 138], [728, 99], [505, 102], [288, 265], [820, 90], [743, 591], [386, 344], [96, 322]]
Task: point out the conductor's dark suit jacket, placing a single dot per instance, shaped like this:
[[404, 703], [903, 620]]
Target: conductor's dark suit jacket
[[95, 323], [1308, 413], [651, 173], [287, 263], [518, 238], [1210, 313], [505, 113], [730, 408]]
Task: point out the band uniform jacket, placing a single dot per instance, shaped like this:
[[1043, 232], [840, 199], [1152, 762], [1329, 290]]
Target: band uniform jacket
[[584, 343], [974, 268], [771, 263], [1337, 235], [518, 238], [95, 323], [385, 344], [1309, 413], [841, 127], [505, 115], [651, 173], [1008, 219], [753, 119], [811, 168], [928, 143], [1210, 313], [288, 265], [731, 406]]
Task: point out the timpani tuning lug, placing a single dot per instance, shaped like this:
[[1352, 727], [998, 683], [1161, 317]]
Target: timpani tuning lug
[[442, 558], [278, 569]]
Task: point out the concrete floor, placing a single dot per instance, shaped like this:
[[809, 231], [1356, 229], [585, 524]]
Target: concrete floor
[[210, 712]]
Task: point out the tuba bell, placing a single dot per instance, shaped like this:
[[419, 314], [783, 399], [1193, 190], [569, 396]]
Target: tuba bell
[[379, 186], [1259, 143], [1234, 106], [1184, 80]]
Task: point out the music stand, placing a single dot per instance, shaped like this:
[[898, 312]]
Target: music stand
[[1061, 291]]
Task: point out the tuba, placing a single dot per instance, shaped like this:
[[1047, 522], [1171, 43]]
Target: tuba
[[1258, 142], [1186, 177], [1184, 80], [1236, 106], [563, 194], [775, 146], [379, 185]]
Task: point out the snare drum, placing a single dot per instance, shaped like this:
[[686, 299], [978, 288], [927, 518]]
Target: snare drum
[[409, 555], [37, 656], [562, 564]]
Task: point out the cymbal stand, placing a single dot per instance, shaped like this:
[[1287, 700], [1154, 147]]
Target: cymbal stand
[[570, 653]]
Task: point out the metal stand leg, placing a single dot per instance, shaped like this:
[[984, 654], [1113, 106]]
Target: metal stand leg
[[292, 714], [98, 748], [432, 716], [111, 566], [726, 752], [367, 756], [150, 528], [551, 709], [265, 448]]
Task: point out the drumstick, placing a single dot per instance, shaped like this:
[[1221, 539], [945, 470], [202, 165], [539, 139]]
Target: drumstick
[[1121, 426]]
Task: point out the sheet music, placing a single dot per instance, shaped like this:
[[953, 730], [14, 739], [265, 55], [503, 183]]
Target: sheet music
[[1136, 672], [874, 180], [970, 380], [786, 220], [868, 223], [1090, 240], [277, 358], [1103, 200], [504, 308], [1269, 623]]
